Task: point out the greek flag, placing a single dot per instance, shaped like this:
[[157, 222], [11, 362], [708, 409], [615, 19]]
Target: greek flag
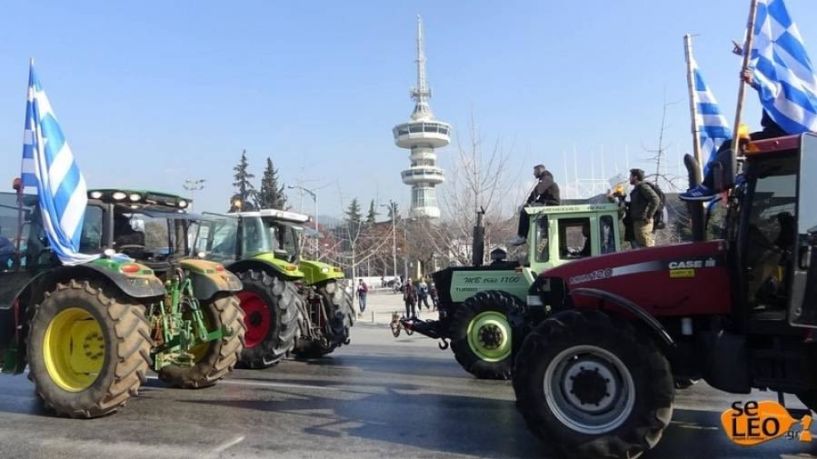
[[49, 165], [783, 74], [709, 121]]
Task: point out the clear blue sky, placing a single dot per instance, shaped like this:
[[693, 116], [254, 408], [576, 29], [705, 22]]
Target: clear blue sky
[[150, 93]]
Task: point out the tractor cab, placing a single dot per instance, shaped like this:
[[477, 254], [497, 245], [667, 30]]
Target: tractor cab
[[775, 227], [559, 234]]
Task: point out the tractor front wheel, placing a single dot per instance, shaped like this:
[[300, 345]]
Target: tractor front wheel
[[88, 349], [593, 386], [214, 359], [271, 306], [485, 330]]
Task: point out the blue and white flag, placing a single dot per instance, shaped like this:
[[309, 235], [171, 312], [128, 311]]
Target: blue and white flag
[[49, 165], [783, 74], [709, 121]]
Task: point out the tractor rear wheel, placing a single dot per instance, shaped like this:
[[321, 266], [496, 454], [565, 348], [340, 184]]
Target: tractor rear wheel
[[485, 331], [341, 317], [593, 386], [214, 359], [271, 306], [88, 349]]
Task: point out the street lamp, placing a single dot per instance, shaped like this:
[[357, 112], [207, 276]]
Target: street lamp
[[314, 196], [193, 185], [391, 206]]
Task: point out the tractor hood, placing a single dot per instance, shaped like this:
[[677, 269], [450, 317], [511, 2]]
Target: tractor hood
[[317, 271], [681, 278]]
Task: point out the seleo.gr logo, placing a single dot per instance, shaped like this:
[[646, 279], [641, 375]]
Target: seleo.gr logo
[[752, 423]]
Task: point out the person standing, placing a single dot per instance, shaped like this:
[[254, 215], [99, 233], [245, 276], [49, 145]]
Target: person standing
[[644, 201], [410, 298], [362, 291], [6, 252], [422, 295], [545, 193]]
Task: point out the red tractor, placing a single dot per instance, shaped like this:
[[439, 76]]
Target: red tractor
[[598, 376]]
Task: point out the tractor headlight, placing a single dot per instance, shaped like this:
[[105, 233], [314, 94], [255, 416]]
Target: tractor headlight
[[118, 196], [135, 197], [182, 203], [324, 270], [96, 194]]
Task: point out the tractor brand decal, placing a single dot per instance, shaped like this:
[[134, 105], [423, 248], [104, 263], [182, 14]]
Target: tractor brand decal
[[681, 273], [751, 423], [466, 283], [595, 275], [678, 269]]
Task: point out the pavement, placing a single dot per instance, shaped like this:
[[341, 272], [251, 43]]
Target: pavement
[[378, 397]]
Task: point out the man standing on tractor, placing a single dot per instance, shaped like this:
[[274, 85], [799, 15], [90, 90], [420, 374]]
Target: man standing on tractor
[[545, 193], [643, 204]]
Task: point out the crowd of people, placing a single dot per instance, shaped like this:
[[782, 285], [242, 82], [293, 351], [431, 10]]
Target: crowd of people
[[417, 294]]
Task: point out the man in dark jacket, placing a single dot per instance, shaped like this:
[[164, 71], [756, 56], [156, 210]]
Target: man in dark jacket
[[644, 201], [545, 193]]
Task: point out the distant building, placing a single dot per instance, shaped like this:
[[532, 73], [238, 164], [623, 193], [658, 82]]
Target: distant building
[[422, 134]]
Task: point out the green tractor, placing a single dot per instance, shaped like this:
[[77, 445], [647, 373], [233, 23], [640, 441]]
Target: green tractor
[[89, 332], [329, 312], [485, 311], [282, 294]]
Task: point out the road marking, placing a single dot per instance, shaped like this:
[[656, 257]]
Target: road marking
[[228, 444], [242, 382]]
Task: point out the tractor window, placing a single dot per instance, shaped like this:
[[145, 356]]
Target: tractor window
[[91, 239], [255, 237], [574, 238], [607, 234], [223, 234], [770, 230], [541, 242], [8, 228]]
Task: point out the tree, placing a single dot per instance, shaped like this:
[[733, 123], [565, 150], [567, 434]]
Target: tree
[[242, 181], [271, 194], [353, 215], [372, 214]]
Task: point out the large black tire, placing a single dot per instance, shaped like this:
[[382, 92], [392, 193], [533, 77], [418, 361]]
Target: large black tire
[[271, 305], [216, 358], [341, 318], [122, 340], [464, 344], [621, 386]]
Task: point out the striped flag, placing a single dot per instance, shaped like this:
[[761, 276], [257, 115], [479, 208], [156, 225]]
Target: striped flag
[[709, 121], [783, 74], [49, 165]]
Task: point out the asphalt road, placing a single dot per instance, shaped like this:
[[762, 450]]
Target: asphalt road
[[379, 397]]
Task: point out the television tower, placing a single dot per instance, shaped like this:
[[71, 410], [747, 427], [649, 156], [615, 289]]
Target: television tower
[[422, 134]]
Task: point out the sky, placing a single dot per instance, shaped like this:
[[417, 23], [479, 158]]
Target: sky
[[151, 93]]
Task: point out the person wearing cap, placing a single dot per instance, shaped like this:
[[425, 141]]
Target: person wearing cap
[[545, 193]]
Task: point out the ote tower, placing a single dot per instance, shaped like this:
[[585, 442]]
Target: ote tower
[[422, 134]]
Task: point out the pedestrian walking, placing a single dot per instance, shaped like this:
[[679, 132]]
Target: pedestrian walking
[[435, 298], [422, 295], [410, 298], [362, 291]]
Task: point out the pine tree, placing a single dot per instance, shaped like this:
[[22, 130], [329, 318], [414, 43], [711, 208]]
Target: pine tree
[[271, 195], [242, 181], [372, 215], [353, 215]]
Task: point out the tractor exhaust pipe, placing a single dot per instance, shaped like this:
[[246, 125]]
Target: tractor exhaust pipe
[[695, 209], [478, 245]]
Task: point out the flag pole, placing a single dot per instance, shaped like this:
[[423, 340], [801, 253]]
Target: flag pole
[[693, 103], [747, 50]]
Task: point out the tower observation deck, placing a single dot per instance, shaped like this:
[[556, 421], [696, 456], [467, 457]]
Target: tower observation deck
[[422, 134]]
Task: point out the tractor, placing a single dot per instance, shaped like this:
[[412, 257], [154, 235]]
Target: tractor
[[482, 309], [89, 332], [263, 249], [597, 377]]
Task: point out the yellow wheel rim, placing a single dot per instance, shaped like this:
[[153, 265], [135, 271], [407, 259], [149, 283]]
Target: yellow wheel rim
[[74, 349]]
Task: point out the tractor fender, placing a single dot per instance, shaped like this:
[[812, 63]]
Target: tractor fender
[[641, 316], [257, 264], [12, 320], [210, 278]]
